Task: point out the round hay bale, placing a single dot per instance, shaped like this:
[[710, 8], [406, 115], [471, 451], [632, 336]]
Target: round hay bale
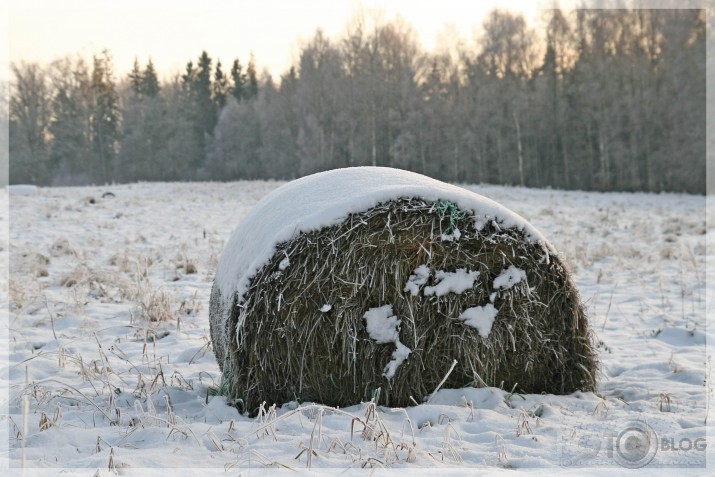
[[348, 281]]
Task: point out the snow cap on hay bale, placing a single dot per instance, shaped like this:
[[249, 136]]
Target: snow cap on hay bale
[[352, 280]]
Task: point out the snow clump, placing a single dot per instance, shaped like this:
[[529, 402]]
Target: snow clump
[[480, 317], [398, 356], [509, 277], [384, 327], [454, 282], [419, 278]]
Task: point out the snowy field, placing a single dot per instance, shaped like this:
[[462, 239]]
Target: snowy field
[[109, 368]]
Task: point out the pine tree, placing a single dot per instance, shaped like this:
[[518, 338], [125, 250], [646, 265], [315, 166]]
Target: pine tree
[[150, 81], [104, 117], [188, 78], [220, 87], [238, 90], [207, 115], [252, 80], [136, 78]]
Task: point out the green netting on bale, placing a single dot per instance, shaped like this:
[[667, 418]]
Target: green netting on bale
[[452, 212]]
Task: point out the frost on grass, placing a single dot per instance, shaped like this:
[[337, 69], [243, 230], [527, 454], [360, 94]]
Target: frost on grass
[[480, 318], [452, 282]]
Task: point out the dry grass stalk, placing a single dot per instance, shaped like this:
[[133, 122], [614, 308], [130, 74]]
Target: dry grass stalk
[[155, 305]]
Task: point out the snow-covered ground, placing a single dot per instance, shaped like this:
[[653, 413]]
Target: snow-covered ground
[[109, 367]]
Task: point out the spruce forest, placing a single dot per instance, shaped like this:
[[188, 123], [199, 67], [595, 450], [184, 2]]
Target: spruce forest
[[607, 100]]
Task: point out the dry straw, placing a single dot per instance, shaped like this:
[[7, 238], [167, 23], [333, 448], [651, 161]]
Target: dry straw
[[288, 349]]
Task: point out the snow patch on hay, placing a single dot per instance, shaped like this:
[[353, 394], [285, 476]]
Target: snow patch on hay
[[457, 282], [509, 278], [452, 282], [480, 318], [417, 279], [398, 356], [384, 327]]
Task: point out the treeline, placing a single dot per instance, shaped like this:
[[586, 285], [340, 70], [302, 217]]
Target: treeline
[[602, 100]]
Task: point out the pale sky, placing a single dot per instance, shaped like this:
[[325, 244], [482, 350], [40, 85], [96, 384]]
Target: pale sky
[[172, 32]]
